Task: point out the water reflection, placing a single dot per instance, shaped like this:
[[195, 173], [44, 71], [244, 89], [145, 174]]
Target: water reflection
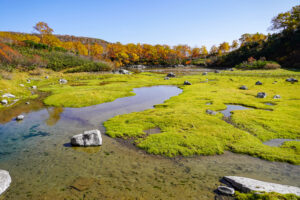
[[54, 115]]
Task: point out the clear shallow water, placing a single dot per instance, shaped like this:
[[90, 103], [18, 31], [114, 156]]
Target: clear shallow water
[[43, 166], [230, 108], [278, 142]]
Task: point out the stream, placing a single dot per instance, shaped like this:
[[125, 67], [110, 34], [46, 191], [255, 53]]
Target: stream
[[43, 166]]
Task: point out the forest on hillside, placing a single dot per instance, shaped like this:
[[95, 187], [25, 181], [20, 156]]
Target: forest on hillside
[[60, 52]]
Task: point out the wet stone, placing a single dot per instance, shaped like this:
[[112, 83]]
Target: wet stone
[[261, 95], [258, 83]]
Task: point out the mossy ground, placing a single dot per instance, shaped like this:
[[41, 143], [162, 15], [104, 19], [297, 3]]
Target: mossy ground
[[265, 196], [186, 129]]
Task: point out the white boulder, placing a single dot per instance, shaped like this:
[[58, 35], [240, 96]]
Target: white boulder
[[20, 117], [5, 180], [8, 95], [248, 185], [87, 138], [4, 101]]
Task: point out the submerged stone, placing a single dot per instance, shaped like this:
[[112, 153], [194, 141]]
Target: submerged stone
[[5, 180], [34, 87], [247, 185], [277, 96], [167, 78], [87, 138]]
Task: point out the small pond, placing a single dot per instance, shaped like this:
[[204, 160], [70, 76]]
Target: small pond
[[230, 108]]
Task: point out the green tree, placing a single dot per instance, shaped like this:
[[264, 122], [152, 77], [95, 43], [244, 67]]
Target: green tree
[[288, 20]]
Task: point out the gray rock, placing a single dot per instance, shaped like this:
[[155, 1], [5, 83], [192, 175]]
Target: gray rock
[[88, 138], [187, 83], [137, 66], [5, 180], [277, 96], [63, 81], [46, 77], [211, 112], [217, 71], [167, 78], [226, 190], [261, 95], [34, 87], [258, 83], [247, 185], [20, 117], [124, 71], [27, 103], [204, 73], [243, 87], [4, 101], [28, 80], [231, 69], [22, 85], [292, 80], [171, 74], [8, 95]]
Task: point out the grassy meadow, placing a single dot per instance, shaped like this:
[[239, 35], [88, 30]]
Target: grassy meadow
[[186, 129]]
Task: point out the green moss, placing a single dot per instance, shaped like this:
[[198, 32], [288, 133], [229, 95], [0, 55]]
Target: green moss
[[265, 196], [186, 129]]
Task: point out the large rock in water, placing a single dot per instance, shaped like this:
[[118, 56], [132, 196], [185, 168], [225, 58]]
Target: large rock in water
[[87, 138], [247, 185], [5, 180]]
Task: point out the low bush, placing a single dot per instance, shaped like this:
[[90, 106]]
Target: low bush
[[91, 67], [251, 63]]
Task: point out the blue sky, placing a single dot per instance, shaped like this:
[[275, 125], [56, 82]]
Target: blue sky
[[192, 22]]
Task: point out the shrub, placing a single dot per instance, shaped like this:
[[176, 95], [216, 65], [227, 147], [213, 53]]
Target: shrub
[[91, 67], [257, 64]]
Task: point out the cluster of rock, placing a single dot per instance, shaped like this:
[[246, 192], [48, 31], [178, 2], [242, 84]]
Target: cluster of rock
[[87, 138], [6, 95]]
